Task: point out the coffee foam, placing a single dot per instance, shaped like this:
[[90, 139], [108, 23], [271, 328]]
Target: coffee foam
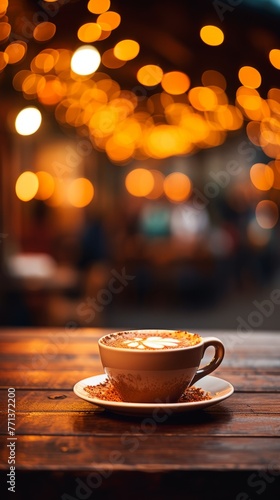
[[153, 341]]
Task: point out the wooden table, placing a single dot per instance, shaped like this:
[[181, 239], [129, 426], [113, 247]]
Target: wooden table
[[66, 448]]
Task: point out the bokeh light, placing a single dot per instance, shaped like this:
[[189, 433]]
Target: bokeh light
[[85, 60], [27, 186], [139, 182], [46, 185], [267, 214], [177, 187], [211, 35], [157, 190], [28, 121], [274, 57], [175, 82], [4, 59], [5, 30], [109, 21], [110, 60], [213, 77], [125, 50], [149, 75], [89, 32], [80, 192], [203, 98], [250, 77], [3, 7], [16, 51], [262, 176], [44, 31], [98, 6], [275, 165]]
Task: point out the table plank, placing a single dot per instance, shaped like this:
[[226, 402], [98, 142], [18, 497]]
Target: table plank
[[149, 453], [50, 400], [98, 422]]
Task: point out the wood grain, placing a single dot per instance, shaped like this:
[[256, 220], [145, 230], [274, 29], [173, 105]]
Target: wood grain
[[149, 453], [50, 400], [57, 431]]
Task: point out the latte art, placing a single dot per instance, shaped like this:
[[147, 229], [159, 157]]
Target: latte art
[[152, 343], [152, 340]]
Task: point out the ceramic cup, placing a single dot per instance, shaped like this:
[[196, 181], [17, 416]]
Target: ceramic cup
[[147, 366]]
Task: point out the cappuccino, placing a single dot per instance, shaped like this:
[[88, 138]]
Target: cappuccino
[[152, 340]]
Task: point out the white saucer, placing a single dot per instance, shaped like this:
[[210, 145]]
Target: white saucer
[[219, 390]]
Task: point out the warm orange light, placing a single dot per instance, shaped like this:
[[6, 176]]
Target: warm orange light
[[32, 84], [150, 75], [274, 57], [120, 148], [229, 117], [213, 77], [80, 192], [262, 176], [139, 182], [52, 92], [109, 20], [3, 7], [177, 187], [203, 98], [175, 82], [16, 51], [44, 61], [103, 121], [274, 94], [157, 190], [46, 185], [26, 186], [270, 136], [211, 35], [58, 197], [214, 138], [176, 111], [125, 50], [110, 61], [4, 59], [275, 165], [64, 60], [250, 77], [163, 141], [44, 31], [98, 6], [104, 35], [253, 132], [195, 127], [19, 78], [5, 30], [267, 214], [89, 32], [249, 99]]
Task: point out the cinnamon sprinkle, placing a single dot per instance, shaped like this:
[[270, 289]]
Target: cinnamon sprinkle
[[106, 392]]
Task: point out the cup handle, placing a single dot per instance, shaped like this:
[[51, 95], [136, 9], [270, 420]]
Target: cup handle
[[215, 361]]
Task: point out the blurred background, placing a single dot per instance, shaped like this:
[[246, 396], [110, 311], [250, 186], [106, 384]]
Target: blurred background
[[140, 163]]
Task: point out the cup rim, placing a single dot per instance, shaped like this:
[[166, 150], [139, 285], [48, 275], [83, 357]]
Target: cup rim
[[150, 351]]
